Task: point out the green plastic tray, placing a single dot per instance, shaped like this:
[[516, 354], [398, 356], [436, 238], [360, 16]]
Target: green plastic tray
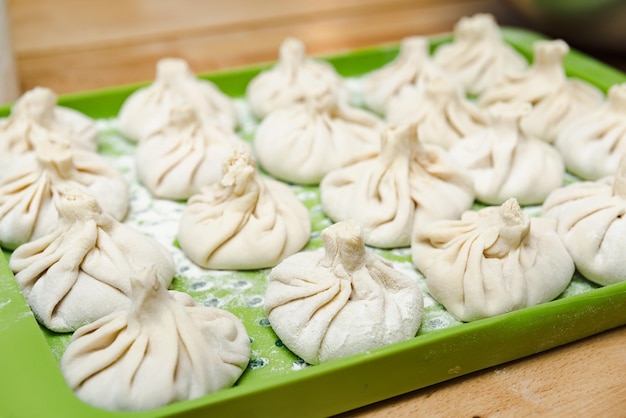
[[31, 383]]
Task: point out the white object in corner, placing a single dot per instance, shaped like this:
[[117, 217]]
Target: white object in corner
[[9, 86]]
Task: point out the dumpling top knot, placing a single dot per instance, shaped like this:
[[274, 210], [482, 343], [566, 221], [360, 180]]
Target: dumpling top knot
[[292, 53], [238, 170], [548, 59], [414, 46], [515, 226], [171, 70], [75, 204], [37, 104], [343, 245], [477, 28]]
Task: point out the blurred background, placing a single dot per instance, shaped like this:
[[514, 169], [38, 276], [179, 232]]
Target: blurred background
[[74, 45]]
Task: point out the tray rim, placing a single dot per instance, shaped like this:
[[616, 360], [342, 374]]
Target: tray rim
[[339, 385]]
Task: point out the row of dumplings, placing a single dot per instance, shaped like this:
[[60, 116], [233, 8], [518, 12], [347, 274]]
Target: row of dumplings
[[448, 95], [499, 152], [404, 171], [136, 345], [80, 268], [43, 148]]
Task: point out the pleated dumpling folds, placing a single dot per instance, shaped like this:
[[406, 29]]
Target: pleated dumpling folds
[[492, 261], [35, 110], [341, 300], [294, 79], [439, 109], [592, 225], [163, 348], [440, 188], [146, 109], [593, 144], [177, 160], [504, 162], [79, 271], [376, 193], [302, 143], [381, 85], [407, 182], [29, 186], [244, 221], [556, 99], [478, 57]]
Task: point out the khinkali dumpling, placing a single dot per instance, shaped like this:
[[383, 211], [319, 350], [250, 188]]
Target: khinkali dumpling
[[294, 79], [304, 142], [184, 155], [37, 110], [146, 109], [504, 162], [29, 186], [492, 261], [556, 99], [478, 57], [383, 84], [244, 221], [163, 348], [592, 223], [376, 193], [593, 144], [341, 300], [80, 270], [439, 109], [407, 182]]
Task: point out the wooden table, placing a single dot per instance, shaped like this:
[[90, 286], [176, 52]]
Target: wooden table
[[73, 45]]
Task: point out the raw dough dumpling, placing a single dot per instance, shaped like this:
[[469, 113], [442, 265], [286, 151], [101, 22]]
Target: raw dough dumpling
[[184, 155], [504, 162], [294, 79], [341, 300], [28, 188], [37, 110], [407, 182], [492, 261], [478, 57], [79, 272], [592, 223], [304, 142], [145, 110], [244, 221], [593, 144], [406, 69], [556, 99], [376, 193], [440, 188], [163, 348], [439, 109]]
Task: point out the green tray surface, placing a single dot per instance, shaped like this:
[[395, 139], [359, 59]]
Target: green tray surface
[[32, 384]]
